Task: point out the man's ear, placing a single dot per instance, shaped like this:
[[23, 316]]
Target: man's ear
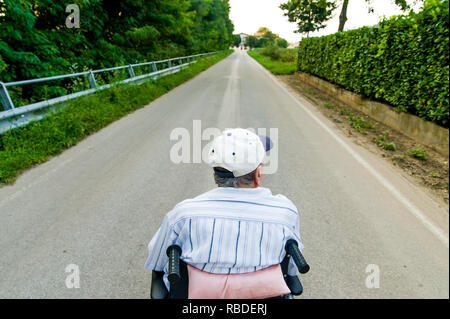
[[258, 176]]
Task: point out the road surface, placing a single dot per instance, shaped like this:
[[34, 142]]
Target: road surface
[[98, 204]]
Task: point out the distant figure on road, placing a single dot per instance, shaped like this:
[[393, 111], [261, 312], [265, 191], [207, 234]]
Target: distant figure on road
[[238, 227]]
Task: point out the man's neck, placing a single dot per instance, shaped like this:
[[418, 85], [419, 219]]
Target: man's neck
[[252, 185]]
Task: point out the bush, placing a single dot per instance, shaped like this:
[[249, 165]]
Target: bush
[[382, 142], [272, 51], [288, 55], [277, 67], [418, 153], [403, 61], [281, 43]]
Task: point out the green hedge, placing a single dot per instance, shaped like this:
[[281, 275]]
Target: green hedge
[[403, 61]]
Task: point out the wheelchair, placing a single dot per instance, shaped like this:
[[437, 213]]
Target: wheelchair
[[179, 281]]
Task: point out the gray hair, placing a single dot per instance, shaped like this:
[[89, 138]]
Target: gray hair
[[234, 181]]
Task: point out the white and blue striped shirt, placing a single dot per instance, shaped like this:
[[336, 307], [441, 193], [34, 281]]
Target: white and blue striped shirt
[[227, 231]]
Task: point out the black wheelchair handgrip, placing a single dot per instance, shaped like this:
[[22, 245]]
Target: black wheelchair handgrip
[[292, 249], [174, 252]]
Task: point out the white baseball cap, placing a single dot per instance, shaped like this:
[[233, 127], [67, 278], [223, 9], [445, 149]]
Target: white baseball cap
[[239, 151]]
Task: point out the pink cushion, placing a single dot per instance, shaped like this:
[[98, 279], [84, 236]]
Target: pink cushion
[[264, 283]]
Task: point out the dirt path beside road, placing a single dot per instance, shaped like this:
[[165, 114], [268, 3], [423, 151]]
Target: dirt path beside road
[[432, 174]]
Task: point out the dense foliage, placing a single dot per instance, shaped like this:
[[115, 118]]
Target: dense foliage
[[36, 142], [35, 41], [277, 60], [265, 38], [404, 5], [310, 15], [403, 61]]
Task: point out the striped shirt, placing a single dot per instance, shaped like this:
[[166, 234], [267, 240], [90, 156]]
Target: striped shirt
[[227, 231]]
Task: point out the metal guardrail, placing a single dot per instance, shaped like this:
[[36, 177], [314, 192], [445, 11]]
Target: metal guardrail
[[13, 117]]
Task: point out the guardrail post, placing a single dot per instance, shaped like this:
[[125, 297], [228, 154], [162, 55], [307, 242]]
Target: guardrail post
[[91, 79], [131, 71], [6, 104], [5, 98]]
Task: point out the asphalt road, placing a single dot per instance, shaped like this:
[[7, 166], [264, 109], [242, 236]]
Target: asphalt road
[[99, 203]]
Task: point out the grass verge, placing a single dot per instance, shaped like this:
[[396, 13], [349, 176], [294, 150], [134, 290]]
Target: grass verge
[[277, 67], [38, 141]]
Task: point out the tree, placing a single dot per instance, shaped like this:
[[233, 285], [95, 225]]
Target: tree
[[263, 30], [402, 4], [270, 36], [252, 41], [236, 40], [280, 42], [212, 28], [35, 41], [310, 15], [265, 38], [343, 16]]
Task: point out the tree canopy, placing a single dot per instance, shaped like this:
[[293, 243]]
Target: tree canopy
[[404, 5], [264, 37], [310, 15], [35, 41]]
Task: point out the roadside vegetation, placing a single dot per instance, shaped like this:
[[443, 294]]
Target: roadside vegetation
[[403, 61], [270, 51], [426, 166], [383, 142], [357, 122], [277, 60], [35, 40], [261, 39], [418, 153], [38, 141]]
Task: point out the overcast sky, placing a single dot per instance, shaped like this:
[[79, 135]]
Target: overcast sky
[[249, 15]]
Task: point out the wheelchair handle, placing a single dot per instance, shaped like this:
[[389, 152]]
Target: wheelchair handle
[[174, 252], [292, 249]]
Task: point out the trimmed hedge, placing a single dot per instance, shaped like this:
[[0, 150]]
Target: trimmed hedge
[[403, 61]]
